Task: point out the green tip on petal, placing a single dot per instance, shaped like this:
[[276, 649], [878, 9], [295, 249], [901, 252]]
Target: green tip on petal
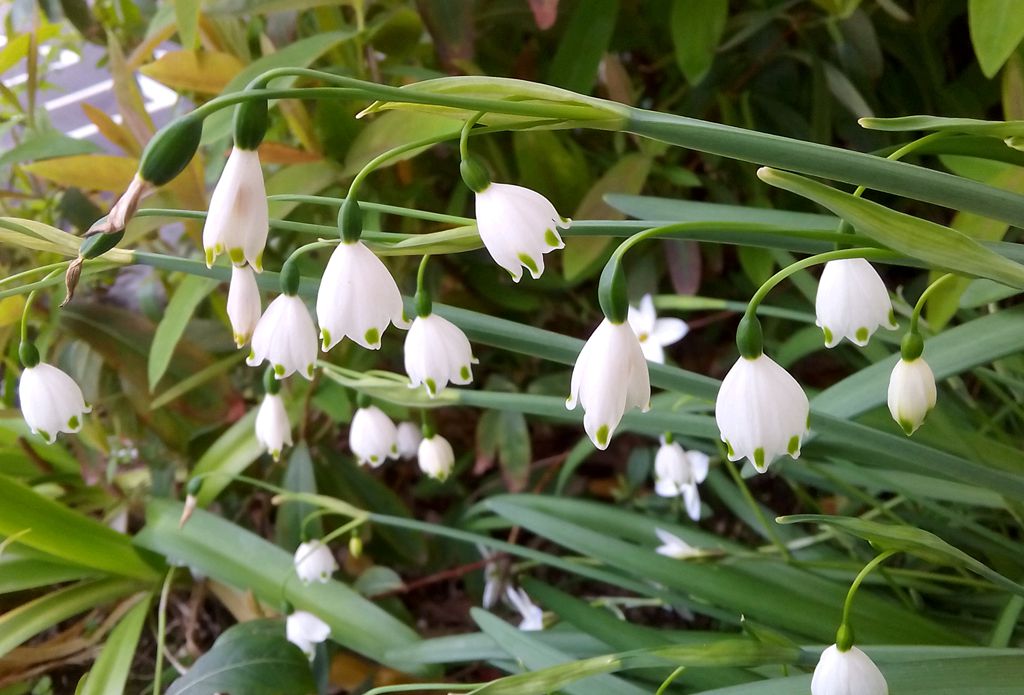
[[309, 370], [907, 425], [372, 337], [464, 373], [325, 339], [73, 422], [374, 458], [602, 435], [237, 256], [794, 446], [728, 449], [279, 370], [862, 334], [210, 256], [759, 459], [529, 263], [394, 448], [431, 386], [259, 263], [550, 238], [828, 335], [892, 318], [45, 435]]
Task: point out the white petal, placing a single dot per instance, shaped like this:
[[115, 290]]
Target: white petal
[[305, 631], [847, 673], [692, 499], [668, 331], [912, 393], [244, 303], [273, 430], [237, 221], [437, 352], [852, 302], [698, 465], [286, 337], [314, 562], [373, 437], [436, 457], [409, 438], [517, 226], [51, 401]]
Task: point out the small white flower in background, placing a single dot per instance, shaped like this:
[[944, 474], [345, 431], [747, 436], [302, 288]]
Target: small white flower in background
[[675, 547], [533, 616], [761, 412], [912, 393], [493, 579], [852, 302], [847, 673], [372, 436], [610, 377], [273, 431], [285, 337], [653, 333], [436, 457], [409, 438], [244, 303], [51, 401], [358, 298], [238, 220], [314, 562], [305, 631], [437, 352], [678, 472], [518, 226]]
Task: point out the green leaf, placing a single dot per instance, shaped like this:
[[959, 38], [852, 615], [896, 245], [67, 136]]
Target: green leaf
[[653, 208], [997, 26], [29, 619], [19, 572], [109, 673], [553, 165], [46, 145], [393, 129], [253, 658], [75, 538], [909, 539], [186, 13], [696, 27], [917, 238], [187, 297], [227, 457], [504, 433], [583, 44], [298, 477]]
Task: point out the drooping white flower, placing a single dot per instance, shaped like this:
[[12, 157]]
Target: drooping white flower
[[437, 352], [518, 226], [273, 430], [912, 393], [314, 562], [493, 578], [852, 302], [610, 376], [409, 438], [372, 436], [847, 673], [244, 303], [238, 220], [655, 334], [358, 298], [285, 337], [761, 412], [675, 547], [533, 615], [436, 457], [305, 631], [51, 401], [678, 472]]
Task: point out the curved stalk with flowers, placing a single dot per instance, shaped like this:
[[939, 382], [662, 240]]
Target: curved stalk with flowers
[[316, 311]]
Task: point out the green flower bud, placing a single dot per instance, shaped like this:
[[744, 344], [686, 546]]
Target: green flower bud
[[474, 174], [350, 221], [28, 354], [170, 150], [250, 123]]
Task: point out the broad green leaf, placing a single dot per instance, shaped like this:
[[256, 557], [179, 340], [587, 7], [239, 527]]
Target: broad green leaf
[[554, 165], [20, 572], [696, 27], [298, 477], [254, 658], [228, 553], [227, 457], [584, 42], [46, 145], [503, 434], [189, 294], [109, 673], [913, 236], [31, 618], [186, 13], [996, 26], [909, 539], [390, 130], [56, 529]]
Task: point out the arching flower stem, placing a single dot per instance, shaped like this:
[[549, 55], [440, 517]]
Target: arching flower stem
[[929, 291], [844, 635]]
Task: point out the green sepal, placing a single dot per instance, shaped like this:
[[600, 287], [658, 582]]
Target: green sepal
[[271, 384], [844, 637], [362, 400], [251, 120], [427, 428], [912, 346], [474, 175], [749, 339], [350, 221], [98, 244], [193, 487], [28, 354], [290, 277], [424, 303], [170, 150], [611, 291]]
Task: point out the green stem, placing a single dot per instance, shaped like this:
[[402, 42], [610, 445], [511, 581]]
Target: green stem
[[464, 135], [379, 207], [668, 681], [751, 501], [844, 636], [423, 301], [161, 631], [59, 265], [342, 530], [929, 291], [413, 687], [31, 298]]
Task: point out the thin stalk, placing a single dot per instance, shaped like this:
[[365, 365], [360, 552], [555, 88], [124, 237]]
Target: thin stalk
[[929, 291], [844, 626], [754, 506], [413, 687], [28, 303], [668, 681], [59, 265], [161, 631], [378, 207], [465, 133]]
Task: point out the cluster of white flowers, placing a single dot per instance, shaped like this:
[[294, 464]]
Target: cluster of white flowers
[[678, 472]]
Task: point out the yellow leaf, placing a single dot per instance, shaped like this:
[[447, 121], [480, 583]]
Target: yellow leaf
[[117, 134], [91, 172], [10, 310], [207, 72]]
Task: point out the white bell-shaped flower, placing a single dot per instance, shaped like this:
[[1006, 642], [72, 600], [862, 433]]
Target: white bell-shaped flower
[[244, 303], [653, 333], [238, 220], [761, 412], [912, 393], [494, 579], [314, 562], [409, 438], [372, 436], [610, 377], [51, 401], [305, 631], [273, 431], [847, 673], [518, 226], [436, 457], [675, 547], [532, 614], [285, 337], [678, 472], [358, 298], [437, 352], [852, 302]]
